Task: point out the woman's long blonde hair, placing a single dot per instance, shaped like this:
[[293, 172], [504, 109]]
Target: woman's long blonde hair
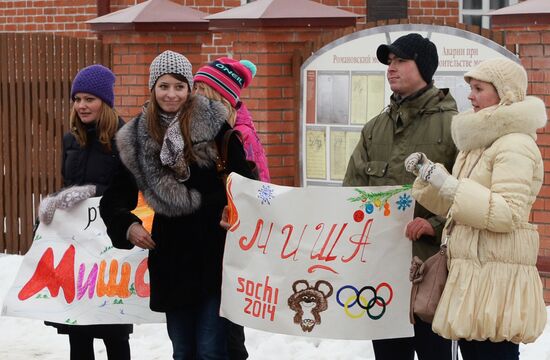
[[185, 117], [106, 125], [207, 91]]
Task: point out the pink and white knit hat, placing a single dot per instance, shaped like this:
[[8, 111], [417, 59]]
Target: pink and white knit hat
[[228, 77]]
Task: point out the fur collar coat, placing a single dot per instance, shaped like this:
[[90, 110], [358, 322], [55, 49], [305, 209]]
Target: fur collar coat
[[141, 155], [492, 248], [472, 130]]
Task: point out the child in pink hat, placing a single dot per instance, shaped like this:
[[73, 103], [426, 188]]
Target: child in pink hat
[[228, 77]]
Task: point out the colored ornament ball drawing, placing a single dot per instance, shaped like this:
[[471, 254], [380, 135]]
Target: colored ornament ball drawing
[[370, 201]]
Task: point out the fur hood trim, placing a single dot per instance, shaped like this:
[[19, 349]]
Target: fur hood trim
[[141, 155], [207, 118], [472, 130]]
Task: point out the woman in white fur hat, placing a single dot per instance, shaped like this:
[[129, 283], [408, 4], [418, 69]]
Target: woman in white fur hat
[[493, 296]]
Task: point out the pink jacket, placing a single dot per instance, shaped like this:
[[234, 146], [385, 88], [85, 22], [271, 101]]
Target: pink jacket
[[251, 142]]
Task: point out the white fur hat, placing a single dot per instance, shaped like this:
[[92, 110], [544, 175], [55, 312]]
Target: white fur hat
[[508, 77]]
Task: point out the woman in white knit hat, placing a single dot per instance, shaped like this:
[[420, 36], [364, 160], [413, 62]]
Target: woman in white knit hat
[[493, 296], [170, 154]]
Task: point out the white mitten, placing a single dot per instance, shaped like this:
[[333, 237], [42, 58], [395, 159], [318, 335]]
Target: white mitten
[[47, 208], [73, 195], [414, 161], [435, 174]]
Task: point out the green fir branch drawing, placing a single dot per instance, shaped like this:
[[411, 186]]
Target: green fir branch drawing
[[380, 196]]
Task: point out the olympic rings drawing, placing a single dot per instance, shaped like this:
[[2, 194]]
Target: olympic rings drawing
[[360, 299], [346, 308]]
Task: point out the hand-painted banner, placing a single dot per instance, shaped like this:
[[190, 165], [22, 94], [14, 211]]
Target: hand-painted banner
[[318, 261], [73, 275]]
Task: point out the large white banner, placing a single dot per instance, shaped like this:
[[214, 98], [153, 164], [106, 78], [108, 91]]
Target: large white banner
[[330, 262], [73, 275]]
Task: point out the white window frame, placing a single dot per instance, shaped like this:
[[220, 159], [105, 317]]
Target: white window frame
[[485, 8]]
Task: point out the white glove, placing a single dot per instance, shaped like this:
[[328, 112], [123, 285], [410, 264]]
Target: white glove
[[73, 195], [63, 200], [47, 208], [414, 161], [435, 174]]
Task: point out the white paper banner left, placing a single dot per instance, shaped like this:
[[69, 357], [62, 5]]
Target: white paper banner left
[[73, 275]]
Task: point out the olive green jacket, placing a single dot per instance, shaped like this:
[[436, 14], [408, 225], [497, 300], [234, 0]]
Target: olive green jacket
[[421, 123]]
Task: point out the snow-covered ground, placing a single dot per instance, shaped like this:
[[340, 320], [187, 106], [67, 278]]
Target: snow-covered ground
[[24, 339]]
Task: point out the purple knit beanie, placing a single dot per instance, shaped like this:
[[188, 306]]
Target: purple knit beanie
[[96, 80]]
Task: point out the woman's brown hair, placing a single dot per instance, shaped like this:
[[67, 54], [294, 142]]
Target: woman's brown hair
[[106, 125]]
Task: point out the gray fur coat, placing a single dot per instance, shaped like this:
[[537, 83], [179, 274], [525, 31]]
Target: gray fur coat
[[141, 155]]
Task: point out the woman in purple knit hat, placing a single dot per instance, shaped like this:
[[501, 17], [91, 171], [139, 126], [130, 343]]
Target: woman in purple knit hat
[[90, 159]]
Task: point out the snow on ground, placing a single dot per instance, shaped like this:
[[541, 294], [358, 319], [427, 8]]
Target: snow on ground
[[24, 339]]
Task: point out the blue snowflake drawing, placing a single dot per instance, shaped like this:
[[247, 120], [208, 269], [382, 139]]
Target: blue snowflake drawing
[[265, 194], [404, 202]]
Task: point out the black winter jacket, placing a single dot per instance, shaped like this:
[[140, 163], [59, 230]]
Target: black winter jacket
[[91, 164], [186, 264], [84, 166]]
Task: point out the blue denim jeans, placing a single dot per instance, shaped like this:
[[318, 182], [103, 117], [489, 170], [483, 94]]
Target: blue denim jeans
[[487, 350], [198, 332]]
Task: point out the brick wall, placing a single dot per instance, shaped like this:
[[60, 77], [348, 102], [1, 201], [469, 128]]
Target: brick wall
[[132, 55], [437, 11], [62, 16], [210, 6], [533, 46], [68, 17]]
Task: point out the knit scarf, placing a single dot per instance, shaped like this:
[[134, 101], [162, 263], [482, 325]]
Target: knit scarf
[[171, 152]]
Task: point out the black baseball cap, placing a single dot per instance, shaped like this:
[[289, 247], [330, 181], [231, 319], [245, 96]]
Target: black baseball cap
[[413, 47]]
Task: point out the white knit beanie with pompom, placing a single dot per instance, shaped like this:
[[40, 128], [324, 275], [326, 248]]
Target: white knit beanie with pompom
[[508, 77]]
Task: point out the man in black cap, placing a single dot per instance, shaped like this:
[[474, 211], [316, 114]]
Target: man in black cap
[[418, 118]]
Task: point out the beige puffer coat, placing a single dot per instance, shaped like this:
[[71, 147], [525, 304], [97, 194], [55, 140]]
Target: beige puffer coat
[[493, 290]]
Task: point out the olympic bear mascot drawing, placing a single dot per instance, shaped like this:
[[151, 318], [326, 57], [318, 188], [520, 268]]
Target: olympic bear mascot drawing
[[308, 302]]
